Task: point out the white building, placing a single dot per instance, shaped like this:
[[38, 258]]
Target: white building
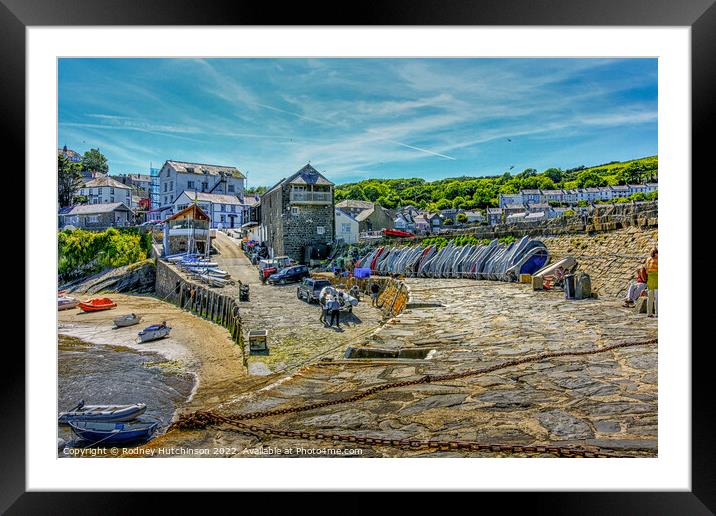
[[105, 190], [225, 211], [346, 227], [176, 177]]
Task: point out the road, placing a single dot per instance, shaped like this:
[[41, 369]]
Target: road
[[296, 336]]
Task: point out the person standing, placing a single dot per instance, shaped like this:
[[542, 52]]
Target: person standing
[[652, 283], [374, 291], [335, 308], [322, 300]]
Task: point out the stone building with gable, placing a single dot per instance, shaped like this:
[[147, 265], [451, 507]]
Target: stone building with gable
[[298, 215]]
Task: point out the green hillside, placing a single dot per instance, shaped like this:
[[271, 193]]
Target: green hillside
[[482, 192]]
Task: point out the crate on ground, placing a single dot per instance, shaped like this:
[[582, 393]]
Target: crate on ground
[[526, 278], [258, 342]]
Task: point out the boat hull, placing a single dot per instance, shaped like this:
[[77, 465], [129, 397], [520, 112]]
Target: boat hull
[[150, 335], [117, 433], [122, 322], [105, 413]]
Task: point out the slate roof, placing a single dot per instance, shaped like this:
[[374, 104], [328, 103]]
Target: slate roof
[[187, 167], [105, 181], [210, 197], [91, 209], [306, 176], [354, 204]]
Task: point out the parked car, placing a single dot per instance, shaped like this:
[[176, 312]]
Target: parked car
[[289, 275], [310, 289], [273, 265]]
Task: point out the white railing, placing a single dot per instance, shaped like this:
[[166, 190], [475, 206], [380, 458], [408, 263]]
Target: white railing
[[311, 197]]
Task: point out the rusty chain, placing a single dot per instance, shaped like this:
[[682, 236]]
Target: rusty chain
[[202, 419]]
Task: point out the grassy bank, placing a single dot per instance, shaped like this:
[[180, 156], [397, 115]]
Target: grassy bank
[[81, 252]]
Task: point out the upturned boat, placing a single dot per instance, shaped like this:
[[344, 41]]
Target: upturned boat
[[96, 305], [127, 320], [108, 413], [154, 332], [66, 303], [97, 432]]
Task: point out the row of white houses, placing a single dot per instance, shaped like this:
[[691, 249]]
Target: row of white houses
[[573, 196]]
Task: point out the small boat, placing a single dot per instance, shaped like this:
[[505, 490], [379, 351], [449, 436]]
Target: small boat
[[127, 320], [66, 303], [214, 281], [154, 332], [211, 271], [110, 413], [398, 233], [114, 433], [96, 305], [198, 263]]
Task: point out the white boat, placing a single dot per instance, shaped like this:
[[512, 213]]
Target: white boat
[[213, 281], [198, 263], [66, 303], [154, 332], [84, 412], [127, 320]]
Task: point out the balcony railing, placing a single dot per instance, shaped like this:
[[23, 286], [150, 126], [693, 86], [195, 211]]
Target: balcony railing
[[311, 197]]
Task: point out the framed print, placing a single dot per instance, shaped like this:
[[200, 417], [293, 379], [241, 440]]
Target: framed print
[[417, 249]]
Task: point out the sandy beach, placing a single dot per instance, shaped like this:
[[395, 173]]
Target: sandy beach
[[199, 346]]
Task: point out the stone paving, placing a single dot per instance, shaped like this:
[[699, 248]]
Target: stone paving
[[607, 400], [296, 336]]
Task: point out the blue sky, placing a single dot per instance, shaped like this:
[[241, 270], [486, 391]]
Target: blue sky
[[355, 119]]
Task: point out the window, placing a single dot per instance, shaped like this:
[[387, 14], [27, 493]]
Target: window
[[204, 186], [92, 219], [231, 188], [222, 218], [345, 227], [111, 191], [320, 230], [111, 199], [190, 185], [294, 210], [222, 207]]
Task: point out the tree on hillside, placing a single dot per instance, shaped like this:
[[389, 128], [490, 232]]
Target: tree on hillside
[[555, 174], [589, 179], [94, 161], [461, 218], [69, 180]]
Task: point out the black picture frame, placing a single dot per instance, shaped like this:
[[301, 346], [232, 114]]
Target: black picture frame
[[700, 15]]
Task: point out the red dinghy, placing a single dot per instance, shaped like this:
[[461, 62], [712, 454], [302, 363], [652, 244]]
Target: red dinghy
[[95, 305], [398, 233]]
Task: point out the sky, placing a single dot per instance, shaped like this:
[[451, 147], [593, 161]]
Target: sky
[[355, 119]]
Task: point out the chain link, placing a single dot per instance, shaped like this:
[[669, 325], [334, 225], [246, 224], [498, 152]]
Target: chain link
[[202, 419]]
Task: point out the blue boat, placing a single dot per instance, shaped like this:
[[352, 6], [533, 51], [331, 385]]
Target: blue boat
[[114, 433]]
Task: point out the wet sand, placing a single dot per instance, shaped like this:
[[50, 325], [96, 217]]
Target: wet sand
[[199, 346]]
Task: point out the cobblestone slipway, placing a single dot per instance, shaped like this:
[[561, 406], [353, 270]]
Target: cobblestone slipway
[[607, 399]]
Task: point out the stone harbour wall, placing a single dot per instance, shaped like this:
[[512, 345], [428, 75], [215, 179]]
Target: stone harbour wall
[[610, 258]]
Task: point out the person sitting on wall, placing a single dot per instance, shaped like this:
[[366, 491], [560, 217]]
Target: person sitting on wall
[[636, 287], [652, 283]]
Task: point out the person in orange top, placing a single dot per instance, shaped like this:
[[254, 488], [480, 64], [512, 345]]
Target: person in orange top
[[652, 283]]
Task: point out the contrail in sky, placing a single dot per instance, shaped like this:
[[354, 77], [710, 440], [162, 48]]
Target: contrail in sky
[[419, 149]]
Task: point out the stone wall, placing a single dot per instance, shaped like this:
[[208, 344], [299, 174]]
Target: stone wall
[[289, 234], [603, 217], [609, 257]]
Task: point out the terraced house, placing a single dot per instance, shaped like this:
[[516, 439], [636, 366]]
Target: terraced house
[[298, 215], [105, 190], [176, 177]]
